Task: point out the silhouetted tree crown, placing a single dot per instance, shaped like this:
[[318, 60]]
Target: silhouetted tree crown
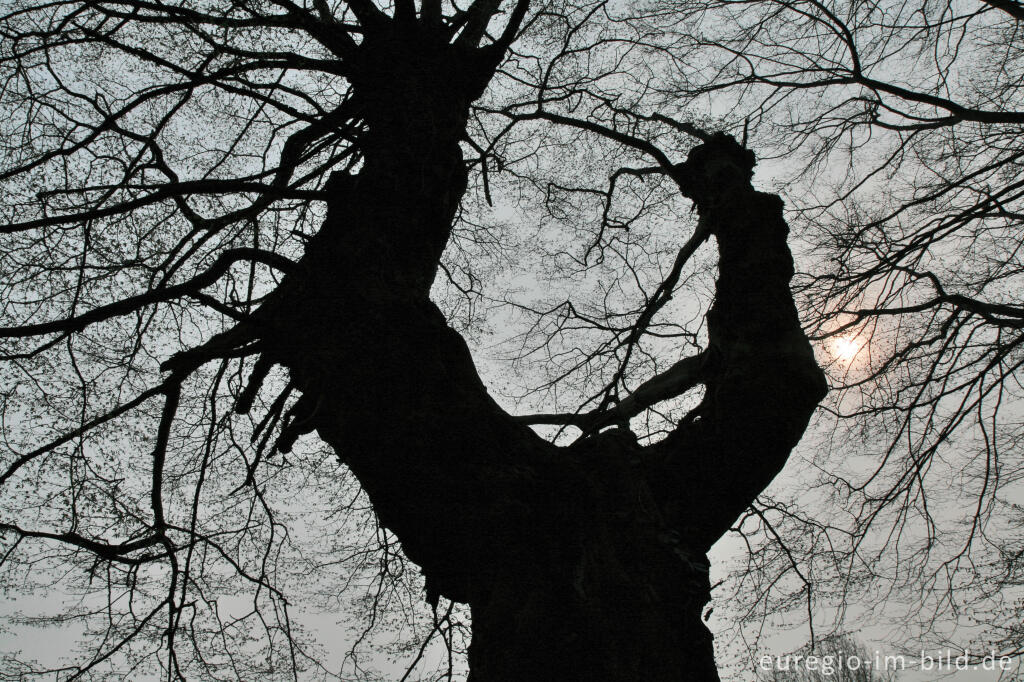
[[245, 244]]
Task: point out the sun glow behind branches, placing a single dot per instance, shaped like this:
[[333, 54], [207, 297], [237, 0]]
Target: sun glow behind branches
[[846, 348]]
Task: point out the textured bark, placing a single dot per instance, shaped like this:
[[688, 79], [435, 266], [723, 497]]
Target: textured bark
[[579, 563]]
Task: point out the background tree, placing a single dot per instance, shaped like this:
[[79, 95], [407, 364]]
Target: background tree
[[213, 209]]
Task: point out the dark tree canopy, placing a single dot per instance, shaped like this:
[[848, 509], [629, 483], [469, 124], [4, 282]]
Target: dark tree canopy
[[244, 246]]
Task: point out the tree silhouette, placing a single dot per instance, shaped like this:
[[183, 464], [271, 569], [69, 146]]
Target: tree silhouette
[[251, 203]]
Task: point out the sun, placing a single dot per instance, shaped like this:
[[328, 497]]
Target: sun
[[845, 348]]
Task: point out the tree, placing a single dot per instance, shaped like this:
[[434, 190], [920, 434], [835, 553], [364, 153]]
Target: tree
[[239, 203]]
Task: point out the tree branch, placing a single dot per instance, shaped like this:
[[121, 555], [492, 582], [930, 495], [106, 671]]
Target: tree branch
[[128, 305], [673, 382]]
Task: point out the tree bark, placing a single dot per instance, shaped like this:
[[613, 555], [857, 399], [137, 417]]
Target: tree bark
[[585, 562]]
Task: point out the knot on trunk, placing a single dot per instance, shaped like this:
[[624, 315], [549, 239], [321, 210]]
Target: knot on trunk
[[717, 167]]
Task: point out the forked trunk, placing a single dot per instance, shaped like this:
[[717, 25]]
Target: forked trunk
[[580, 563]]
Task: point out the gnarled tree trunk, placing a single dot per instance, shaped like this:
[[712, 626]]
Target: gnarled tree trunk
[[585, 562]]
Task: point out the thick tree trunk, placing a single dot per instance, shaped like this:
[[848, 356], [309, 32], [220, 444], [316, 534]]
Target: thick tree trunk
[[613, 593], [583, 563]]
